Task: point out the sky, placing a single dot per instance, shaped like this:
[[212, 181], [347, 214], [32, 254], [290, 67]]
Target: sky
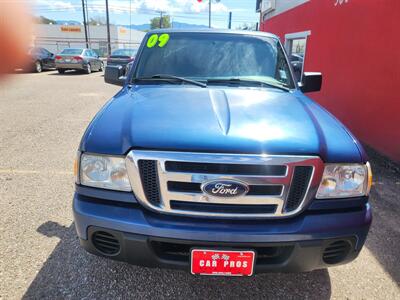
[[125, 12]]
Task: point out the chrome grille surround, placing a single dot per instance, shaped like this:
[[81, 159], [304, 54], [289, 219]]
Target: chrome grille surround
[[290, 162]]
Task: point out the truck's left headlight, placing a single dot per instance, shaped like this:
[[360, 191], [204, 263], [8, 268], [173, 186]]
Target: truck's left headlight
[[345, 180], [105, 172]]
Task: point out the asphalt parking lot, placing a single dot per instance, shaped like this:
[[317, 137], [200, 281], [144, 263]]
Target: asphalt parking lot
[[42, 118]]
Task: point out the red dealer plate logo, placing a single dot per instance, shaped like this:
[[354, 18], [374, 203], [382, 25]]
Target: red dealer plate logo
[[220, 262]]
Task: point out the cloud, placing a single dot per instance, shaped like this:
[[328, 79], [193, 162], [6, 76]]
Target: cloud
[[136, 6], [194, 6], [55, 5]]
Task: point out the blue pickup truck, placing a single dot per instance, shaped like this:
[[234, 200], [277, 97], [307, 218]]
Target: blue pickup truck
[[212, 160]]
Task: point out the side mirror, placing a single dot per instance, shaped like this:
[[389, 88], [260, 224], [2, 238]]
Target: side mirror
[[296, 64], [311, 82], [114, 75]]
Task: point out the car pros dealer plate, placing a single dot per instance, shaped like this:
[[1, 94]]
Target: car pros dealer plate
[[223, 263]]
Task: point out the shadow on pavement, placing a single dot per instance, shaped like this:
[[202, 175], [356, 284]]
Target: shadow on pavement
[[27, 71], [384, 237], [70, 272], [70, 73]]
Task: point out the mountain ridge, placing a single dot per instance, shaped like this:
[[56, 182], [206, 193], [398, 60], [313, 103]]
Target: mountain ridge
[[174, 25]]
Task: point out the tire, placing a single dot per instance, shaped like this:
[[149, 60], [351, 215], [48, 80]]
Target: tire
[[101, 67], [88, 69], [38, 67], [61, 71]]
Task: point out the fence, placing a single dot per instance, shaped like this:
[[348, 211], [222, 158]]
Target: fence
[[100, 46]]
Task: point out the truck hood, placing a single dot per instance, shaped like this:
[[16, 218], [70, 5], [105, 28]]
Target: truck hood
[[218, 119]]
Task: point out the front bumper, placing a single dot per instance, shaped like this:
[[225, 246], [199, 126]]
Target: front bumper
[[123, 64], [294, 245]]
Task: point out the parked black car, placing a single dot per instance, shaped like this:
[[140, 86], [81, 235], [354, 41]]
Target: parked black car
[[39, 59], [122, 57]]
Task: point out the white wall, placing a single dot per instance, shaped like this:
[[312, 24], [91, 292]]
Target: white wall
[[282, 6], [57, 37]]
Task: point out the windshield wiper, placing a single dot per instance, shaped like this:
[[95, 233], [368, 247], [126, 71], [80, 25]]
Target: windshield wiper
[[172, 78], [248, 81]]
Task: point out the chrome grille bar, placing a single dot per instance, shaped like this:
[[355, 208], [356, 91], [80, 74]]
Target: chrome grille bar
[[133, 158]]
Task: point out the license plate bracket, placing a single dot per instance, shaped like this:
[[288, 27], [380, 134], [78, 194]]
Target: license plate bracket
[[222, 262]]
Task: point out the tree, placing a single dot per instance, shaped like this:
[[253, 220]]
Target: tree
[[246, 26], [155, 22], [97, 20], [43, 20]]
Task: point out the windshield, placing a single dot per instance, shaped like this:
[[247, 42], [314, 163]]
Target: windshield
[[72, 51], [124, 52], [208, 56]]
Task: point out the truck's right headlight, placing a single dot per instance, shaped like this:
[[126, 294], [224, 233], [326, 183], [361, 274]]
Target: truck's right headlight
[[345, 180], [107, 172]]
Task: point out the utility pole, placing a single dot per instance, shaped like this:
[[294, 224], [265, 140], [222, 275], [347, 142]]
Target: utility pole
[[209, 13], [84, 23], [130, 23], [161, 19], [88, 22], [108, 30], [230, 20]]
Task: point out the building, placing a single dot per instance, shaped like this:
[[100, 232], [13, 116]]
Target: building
[[57, 37], [353, 43]]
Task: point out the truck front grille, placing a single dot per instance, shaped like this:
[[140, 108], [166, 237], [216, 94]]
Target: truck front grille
[[193, 187], [149, 179], [298, 188], [223, 208], [172, 182], [228, 169]]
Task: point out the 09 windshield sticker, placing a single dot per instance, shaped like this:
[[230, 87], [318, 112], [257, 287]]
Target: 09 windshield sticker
[[160, 41]]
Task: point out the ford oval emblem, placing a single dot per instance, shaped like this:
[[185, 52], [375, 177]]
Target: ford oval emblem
[[225, 188]]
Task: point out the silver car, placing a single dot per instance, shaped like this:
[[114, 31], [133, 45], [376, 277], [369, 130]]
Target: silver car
[[78, 59]]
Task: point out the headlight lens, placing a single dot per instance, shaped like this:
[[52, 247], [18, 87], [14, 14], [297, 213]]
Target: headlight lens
[[105, 172], [341, 181]]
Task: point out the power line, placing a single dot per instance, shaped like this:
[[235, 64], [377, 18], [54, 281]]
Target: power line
[[118, 8], [183, 15]]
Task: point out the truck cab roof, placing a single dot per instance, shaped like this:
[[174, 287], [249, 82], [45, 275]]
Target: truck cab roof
[[212, 30]]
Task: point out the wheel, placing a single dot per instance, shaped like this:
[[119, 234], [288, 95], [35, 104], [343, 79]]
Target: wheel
[[101, 67], [38, 67], [88, 69], [61, 71]]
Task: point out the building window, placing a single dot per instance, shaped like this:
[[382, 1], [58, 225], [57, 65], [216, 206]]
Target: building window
[[296, 46]]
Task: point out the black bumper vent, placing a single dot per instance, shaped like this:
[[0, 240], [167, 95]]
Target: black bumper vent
[[336, 252], [149, 178], [106, 243], [301, 179], [266, 255]]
